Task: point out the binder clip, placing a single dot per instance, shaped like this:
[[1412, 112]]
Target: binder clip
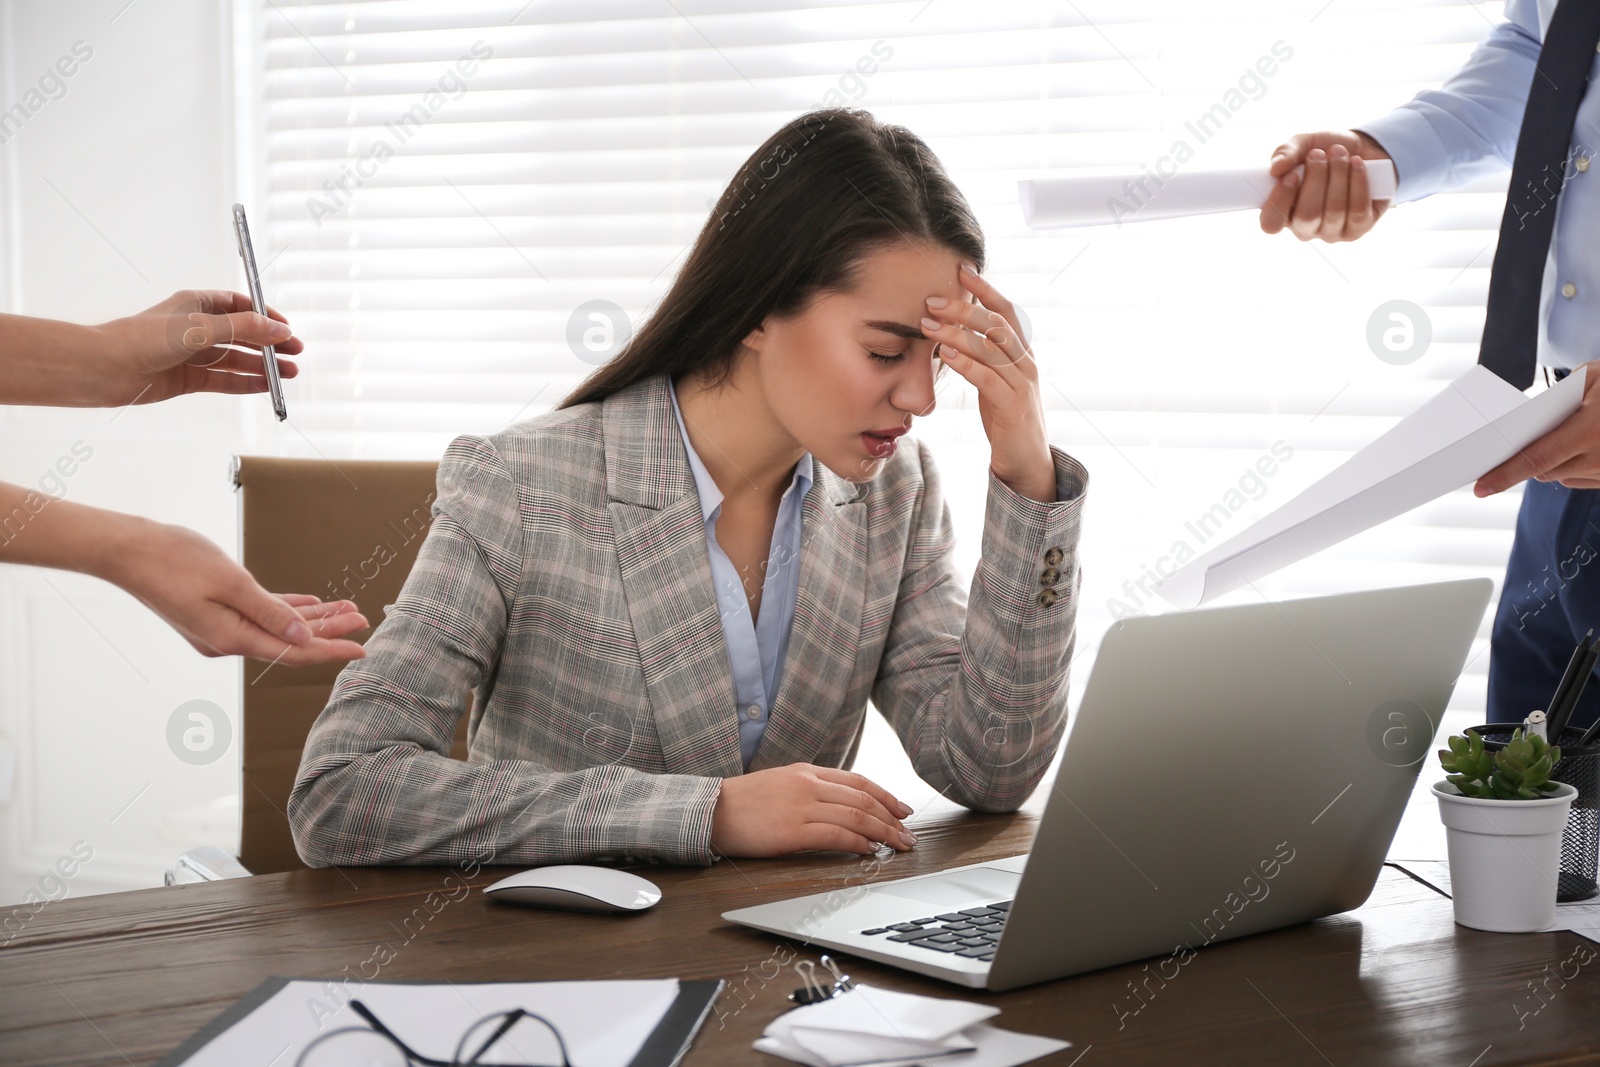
[[814, 992]]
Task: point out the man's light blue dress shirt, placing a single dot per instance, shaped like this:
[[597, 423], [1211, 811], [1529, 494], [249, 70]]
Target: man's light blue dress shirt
[[1467, 129], [756, 651]]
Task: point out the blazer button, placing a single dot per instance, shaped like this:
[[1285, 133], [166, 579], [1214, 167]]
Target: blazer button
[[1046, 597], [1050, 577], [1054, 557]]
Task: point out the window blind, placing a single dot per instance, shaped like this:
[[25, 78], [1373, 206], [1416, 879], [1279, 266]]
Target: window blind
[[444, 191]]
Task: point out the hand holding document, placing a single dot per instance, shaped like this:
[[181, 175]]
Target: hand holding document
[[1101, 200], [1473, 425]]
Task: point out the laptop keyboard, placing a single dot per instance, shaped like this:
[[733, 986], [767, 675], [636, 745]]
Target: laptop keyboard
[[970, 932]]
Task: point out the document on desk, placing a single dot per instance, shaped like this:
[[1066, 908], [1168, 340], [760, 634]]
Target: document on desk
[[603, 1024], [1579, 916], [1112, 199], [872, 1027], [1469, 428]]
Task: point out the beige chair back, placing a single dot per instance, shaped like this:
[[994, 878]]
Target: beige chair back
[[341, 531]]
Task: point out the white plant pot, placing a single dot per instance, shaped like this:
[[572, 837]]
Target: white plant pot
[[1505, 856]]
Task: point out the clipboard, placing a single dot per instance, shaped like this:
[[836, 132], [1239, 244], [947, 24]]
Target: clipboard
[[664, 1046]]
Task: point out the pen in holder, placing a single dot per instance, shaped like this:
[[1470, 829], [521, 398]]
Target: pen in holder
[[814, 992]]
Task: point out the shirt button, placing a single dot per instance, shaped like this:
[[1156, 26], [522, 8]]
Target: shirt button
[[1046, 597], [1053, 557], [1569, 290], [753, 711], [1050, 577], [1583, 163]]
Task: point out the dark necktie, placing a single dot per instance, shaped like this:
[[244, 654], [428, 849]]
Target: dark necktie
[[1511, 322]]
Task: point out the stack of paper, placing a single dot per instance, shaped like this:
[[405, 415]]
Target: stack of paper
[[888, 1029]]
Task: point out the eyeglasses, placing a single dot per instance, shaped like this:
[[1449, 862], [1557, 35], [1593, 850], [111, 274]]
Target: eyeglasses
[[375, 1045]]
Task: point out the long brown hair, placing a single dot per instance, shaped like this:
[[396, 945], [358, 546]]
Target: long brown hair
[[824, 192]]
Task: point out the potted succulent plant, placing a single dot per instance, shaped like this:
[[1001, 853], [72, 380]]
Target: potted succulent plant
[[1503, 822]]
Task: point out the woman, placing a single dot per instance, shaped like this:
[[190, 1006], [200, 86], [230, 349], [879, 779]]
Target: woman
[[674, 595]]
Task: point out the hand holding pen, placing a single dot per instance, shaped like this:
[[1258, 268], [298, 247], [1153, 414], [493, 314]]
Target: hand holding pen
[[195, 341]]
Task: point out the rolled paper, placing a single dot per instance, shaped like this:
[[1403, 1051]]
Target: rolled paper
[[1113, 199]]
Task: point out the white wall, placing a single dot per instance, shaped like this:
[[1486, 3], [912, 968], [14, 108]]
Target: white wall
[[114, 195]]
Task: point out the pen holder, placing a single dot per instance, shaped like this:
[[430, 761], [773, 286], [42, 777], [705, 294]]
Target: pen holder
[[1580, 842]]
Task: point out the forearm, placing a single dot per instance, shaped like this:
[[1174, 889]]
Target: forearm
[[376, 787], [982, 717], [57, 364], [1005, 714], [45, 531], [1039, 488]]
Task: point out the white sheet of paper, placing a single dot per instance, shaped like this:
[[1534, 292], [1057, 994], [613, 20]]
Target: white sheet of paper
[[1112, 199], [887, 1028], [1473, 425], [994, 1048], [867, 1009], [604, 1024], [1579, 916]]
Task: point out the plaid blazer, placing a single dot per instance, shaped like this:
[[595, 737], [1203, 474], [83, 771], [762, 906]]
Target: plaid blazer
[[565, 582]]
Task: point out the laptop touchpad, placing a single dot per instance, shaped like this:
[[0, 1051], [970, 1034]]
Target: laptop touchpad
[[977, 884]]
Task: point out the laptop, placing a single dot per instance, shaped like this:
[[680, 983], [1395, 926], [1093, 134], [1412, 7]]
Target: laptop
[[1229, 771]]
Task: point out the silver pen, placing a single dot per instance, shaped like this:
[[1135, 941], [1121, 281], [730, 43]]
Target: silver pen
[[241, 233]]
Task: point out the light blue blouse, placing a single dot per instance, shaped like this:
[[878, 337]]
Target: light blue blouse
[[756, 651]]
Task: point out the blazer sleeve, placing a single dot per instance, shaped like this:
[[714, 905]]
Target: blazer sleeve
[[976, 687], [376, 783]]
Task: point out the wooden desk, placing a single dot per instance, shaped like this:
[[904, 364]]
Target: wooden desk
[[122, 979]]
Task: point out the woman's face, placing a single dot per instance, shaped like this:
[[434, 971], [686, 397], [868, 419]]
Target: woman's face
[[856, 364]]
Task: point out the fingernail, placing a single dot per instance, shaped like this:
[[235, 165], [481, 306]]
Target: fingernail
[[1358, 163], [278, 330], [929, 324], [907, 838], [937, 301], [905, 809], [966, 268], [298, 633]]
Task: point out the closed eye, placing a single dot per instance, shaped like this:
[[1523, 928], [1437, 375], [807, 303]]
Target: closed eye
[[891, 358]]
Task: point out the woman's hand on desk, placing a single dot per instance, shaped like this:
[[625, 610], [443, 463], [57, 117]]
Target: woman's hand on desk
[[218, 607], [983, 343], [783, 810]]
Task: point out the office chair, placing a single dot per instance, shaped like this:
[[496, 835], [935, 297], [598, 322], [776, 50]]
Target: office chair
[[342, 531]]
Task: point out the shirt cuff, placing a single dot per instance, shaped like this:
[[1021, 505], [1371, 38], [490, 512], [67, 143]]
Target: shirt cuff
[[1421, 161]]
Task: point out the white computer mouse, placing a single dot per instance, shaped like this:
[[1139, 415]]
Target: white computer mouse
[[576, 888]]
